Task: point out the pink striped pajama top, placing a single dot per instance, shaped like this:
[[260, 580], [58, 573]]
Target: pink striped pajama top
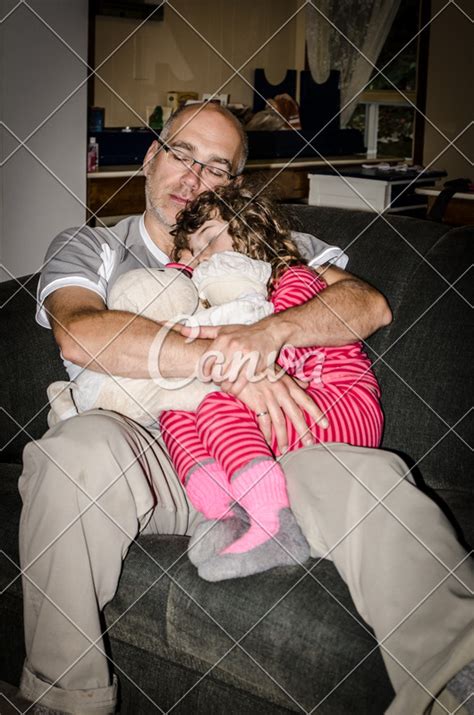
[[341, 382]]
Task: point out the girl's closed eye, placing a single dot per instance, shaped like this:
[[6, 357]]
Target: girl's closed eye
[[212, 237]]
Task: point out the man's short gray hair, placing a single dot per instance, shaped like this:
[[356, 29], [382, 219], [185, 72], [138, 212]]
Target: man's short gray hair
[[167, 130]]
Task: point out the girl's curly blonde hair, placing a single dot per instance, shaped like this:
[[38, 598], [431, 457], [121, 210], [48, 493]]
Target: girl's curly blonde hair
[[257, 226]]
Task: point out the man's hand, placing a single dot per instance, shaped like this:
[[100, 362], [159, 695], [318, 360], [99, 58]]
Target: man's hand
[[279, 401], [261, 384], [238, 353]]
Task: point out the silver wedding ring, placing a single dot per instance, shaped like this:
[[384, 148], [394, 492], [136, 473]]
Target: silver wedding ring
[[262, 414]]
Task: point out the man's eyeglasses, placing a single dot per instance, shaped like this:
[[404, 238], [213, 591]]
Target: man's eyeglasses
[[211, 173]]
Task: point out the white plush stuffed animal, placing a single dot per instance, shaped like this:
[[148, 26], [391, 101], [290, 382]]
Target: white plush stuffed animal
[[233, 284]]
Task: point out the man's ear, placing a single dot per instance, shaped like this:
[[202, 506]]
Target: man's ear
[[238, 181], [150, 155]]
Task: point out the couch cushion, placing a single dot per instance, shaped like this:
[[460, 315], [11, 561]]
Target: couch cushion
[[426, 368], [426, 374], [297, 653], [29, 362], [382, 250]]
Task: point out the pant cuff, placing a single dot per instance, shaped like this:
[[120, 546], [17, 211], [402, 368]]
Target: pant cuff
[[98, 701]]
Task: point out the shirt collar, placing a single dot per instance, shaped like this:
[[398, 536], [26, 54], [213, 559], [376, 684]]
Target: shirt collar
[[160, 256]]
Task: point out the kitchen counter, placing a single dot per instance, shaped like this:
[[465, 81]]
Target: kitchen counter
[[119, 190]]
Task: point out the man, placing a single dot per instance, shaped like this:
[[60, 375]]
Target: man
[[97, 480]]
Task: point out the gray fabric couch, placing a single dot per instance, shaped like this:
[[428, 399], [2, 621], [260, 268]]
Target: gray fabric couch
[[172, 635]]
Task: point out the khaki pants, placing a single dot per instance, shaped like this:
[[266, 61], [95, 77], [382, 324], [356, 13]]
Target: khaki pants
[[97, 480]]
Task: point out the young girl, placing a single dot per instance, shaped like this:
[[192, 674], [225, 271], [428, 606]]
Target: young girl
[[219, 452]]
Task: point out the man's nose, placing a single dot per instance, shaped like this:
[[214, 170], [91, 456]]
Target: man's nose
[[192, 176]]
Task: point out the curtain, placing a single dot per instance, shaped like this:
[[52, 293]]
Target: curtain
[[365, 23]]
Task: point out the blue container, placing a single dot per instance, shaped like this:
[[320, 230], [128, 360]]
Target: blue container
[[96, 116]]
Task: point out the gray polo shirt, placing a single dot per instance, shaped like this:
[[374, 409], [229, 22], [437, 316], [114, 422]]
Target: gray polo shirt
[[94, 258]]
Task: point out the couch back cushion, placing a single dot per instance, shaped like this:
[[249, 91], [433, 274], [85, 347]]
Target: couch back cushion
[[383, 250], [426, 366], [423, 360], [29, 361]]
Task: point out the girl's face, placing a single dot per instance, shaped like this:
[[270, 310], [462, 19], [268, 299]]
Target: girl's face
[[212, 237]]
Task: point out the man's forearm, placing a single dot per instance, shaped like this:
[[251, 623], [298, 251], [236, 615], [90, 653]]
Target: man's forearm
[[121, 343], [346, 311]]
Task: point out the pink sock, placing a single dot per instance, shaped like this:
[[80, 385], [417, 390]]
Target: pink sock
[[209, 491], [261, 490]]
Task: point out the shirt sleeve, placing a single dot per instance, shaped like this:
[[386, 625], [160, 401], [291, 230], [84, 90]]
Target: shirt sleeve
[[296, 286], [76, 257], [317, 252]]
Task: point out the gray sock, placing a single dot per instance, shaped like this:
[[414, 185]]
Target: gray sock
[[462, 686], [212, 535], [294, 549]]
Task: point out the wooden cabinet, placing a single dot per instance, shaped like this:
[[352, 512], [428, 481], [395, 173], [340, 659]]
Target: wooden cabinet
[[114, 195]]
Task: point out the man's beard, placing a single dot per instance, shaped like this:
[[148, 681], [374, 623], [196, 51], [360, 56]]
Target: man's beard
[[156, 210]]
